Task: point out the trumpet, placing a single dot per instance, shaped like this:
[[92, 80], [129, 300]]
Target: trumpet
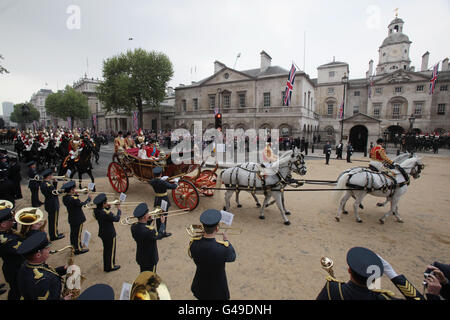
[[155, 214], [327, 265], [197, 230], [93, 206], [27, 217], [149, 286]]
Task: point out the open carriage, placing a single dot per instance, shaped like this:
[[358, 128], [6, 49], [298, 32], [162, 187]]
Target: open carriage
[[192, 183]]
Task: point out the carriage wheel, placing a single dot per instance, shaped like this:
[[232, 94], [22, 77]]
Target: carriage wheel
[[208, 179], [117, 177], [185, 195]]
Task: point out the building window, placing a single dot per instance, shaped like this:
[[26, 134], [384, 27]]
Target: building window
[[241, 100], [266, 99], [212, 101], [441, 108], [330, 131], [195, 104], [378, 90], [331, 74], [443, 88], [396, 111], [355, 109], [226, 101], [418, 109], [419, 88], [330, 90], [376, 110], [357, 93], [398, 89], [183, 105], [330, 109]]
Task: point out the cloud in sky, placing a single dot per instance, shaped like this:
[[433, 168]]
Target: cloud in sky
[[39, 48]]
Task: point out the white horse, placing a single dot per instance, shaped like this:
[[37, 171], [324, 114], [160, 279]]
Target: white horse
[[247, 177], [365, 181]]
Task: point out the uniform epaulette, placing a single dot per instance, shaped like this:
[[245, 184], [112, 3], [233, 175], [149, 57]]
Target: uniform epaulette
[[388, 292], [190, 244], [37, 274], [150, 227], [331, 279], [225, 243], [75, 197]]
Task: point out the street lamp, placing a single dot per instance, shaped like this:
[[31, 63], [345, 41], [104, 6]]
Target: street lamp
[[344, 82]]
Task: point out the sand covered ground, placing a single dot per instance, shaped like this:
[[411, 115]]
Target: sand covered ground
[[275, 261]]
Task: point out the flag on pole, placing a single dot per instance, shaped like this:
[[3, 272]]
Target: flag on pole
[[69, 123], [216, 111], [94, 119], [289, 86], [434, 78], [135, 119], [341, 110]]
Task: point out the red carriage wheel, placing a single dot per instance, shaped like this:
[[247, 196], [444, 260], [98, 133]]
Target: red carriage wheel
[[207, 179], [118, 177], [185, 195]]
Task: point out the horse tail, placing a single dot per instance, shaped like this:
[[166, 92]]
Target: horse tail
[[341, 184]]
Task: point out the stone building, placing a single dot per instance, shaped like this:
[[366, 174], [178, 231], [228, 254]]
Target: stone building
[[248, 99], [38, 101], [393, 100]]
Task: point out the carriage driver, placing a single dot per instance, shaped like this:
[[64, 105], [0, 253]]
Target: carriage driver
[[378, 156]]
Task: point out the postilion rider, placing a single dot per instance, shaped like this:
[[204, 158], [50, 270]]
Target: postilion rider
[[378, 156]]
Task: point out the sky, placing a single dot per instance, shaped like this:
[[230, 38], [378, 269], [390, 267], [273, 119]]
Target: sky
[[52, 43]]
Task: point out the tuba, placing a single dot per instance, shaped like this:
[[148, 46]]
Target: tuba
[[149, 286], [27, 217]]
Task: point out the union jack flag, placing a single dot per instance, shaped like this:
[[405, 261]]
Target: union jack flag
[[434, 78], [69, 123], [341, 110], [94, 118], [135, 119], [289, 86], [370, 87]]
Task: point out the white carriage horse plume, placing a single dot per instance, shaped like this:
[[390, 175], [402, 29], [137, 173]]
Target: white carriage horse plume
[[249, 177], [364, 181]]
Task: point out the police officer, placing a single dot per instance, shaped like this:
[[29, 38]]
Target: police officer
[[97, 292], [37, 280], [76, 216], [327, 152], [145, 237], [349, 152], [12, 260], [15, 176], [160, 187], [106, 231], [33, 185], [363, 264], [210, 256], [51, 204]]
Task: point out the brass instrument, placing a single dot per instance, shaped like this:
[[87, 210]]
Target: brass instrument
[[155, 214], [27, 217], [197, 230], [6, 204], [55, 178], [149, 286], [327, 265], [85, 191], [115, 202], [70, 285]]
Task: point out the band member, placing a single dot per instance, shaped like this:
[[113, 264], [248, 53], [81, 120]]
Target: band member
[[145, 237], [33, 185], [106, 231], [15, 176], [378, 155], [97, 292], [210, 256], [38, 281], [12, 260], [327, 152], [6, 187], [119, 143], [76, 216], [51, 204], [362, 262], [160, 187]]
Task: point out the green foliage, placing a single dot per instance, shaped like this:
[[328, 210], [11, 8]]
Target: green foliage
[[24, 113], [67, 103], [2, 69], [134, 77]]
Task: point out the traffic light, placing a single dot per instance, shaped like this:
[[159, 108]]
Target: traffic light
[[218, 118]]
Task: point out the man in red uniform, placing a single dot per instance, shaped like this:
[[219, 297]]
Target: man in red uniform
[[378, 155]]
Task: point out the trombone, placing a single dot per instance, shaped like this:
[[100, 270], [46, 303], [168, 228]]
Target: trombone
[[82, 191], [155, 214], [115, 202], [197, 230]]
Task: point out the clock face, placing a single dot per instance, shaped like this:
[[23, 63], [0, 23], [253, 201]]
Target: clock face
[[394, 53]]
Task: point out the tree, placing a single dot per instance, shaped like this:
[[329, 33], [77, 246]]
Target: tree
[[24, 113], [134, 78], [2, 69], [67, 103]]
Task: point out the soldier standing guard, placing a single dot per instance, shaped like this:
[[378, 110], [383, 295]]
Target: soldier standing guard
[[349, 152], [106, 231], [145, 237], [37, 280], [327, 152], [76, 216], [33, 185], [51, 204], [12, 260], [210, 256], [160, 187]]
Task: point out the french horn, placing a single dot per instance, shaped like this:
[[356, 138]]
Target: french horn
[[149, 286]]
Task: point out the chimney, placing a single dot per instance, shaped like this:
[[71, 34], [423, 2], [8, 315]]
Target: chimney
[[445, 65], [425, 58], [266, 60], [370, 68], [218, 66]]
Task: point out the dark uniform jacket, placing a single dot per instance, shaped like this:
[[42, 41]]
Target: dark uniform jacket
[[349, 150], [327, 149], [337, 290], [16, 177], [40, 282], [32, 184], [160, 187], [51, 202], [106, 219], [9, 243], [74, 208], [7, 190], [210, 256], [147, 249]]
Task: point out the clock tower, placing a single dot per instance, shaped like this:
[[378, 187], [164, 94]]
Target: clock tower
[[394, 52]]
